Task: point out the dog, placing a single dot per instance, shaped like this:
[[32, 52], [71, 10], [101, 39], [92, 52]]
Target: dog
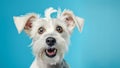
[[50, 36]]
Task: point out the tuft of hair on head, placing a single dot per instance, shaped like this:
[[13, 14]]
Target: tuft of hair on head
[[59, 13], [49, 11]]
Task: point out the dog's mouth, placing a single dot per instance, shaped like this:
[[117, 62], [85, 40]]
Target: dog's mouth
[[51, 52]]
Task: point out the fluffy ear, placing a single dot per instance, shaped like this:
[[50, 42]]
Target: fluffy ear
[[79, 23], [25, 22], [71, 20]]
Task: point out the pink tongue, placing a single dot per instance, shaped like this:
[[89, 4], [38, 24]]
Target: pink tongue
[[50, 53]]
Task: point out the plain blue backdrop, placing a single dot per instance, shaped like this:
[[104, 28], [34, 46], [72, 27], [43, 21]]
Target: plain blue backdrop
[[98, 46]]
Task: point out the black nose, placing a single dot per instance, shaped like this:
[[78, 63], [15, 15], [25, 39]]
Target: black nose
[[50, 41]]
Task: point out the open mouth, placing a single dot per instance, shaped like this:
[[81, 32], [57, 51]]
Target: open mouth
[[51, 52]]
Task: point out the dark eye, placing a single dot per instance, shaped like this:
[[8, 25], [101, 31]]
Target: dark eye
[[59, 29], [41, 30]]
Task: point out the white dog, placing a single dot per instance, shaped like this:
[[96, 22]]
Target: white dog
[[50, 36]]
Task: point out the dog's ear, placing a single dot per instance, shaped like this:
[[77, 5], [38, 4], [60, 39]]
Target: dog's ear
[[25, 22], [72, 20]]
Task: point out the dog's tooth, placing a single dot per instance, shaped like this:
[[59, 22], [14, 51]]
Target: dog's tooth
[[54, 50]]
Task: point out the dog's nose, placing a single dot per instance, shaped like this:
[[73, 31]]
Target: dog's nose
[[50, 41]]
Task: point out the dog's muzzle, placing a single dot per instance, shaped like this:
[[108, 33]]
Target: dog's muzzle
[[50, 51]]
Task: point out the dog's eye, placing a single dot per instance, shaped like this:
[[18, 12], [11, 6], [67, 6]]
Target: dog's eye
[[59, 29], [41, 30]]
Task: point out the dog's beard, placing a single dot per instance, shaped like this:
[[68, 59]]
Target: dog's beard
[[41, 50], [51, 60]]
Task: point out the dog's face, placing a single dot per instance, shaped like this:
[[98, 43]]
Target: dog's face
[[50, 35], [50, 40]]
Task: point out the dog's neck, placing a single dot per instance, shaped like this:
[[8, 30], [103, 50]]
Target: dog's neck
[[62, 64], [58, 65]]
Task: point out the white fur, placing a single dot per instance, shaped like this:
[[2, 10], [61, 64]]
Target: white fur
[[50, 24], [48, 12]]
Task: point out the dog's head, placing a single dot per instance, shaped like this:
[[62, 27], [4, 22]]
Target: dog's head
[[50, 35]]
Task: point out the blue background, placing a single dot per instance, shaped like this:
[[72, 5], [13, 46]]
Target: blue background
[[98, 46]]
